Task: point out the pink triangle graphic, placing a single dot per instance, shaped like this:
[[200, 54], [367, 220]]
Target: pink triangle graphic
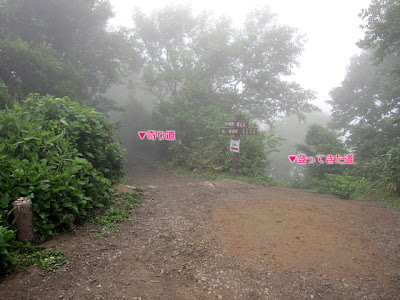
[[142, 134], [292, 158]]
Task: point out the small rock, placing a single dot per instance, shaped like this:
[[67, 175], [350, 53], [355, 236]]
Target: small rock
[[209, 184]]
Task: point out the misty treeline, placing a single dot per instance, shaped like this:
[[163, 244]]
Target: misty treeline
[[365, 115], [198, 70]]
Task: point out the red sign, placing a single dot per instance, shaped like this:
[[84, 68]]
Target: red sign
[[235, 145]]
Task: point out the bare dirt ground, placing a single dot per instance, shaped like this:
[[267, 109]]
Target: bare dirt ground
[[225, 239]]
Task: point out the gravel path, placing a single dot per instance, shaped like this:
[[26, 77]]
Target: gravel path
[[225, 239]]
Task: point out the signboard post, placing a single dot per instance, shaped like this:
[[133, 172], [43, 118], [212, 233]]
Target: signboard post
[[236, 127]]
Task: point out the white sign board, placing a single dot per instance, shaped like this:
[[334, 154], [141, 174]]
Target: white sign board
[[235, 145]]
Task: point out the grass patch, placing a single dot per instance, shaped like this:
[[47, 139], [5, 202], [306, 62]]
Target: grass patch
[[348, 187], [380, 195], [47, 259], [117, 212]]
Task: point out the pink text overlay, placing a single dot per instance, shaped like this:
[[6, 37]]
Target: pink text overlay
[[168, 135], [322, 159]]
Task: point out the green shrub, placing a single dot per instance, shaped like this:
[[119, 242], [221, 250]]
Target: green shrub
[[344, 186], [6, 237], [391, 170], [40, 159], [89, 131], [5, 98]]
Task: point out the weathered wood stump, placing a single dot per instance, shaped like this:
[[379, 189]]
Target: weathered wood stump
[[24, 214]]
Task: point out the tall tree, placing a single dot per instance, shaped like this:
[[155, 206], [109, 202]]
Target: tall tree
[[199, 58], [366, 106], [59, 47], [368, 95], [321, 141], [382, 27]]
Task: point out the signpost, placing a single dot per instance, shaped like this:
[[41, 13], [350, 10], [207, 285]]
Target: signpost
[[236, 127]]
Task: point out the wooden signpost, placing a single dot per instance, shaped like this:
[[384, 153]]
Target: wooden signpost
[[236, 128]]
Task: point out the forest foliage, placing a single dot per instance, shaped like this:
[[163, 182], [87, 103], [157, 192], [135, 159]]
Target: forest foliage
[[365, 111], [61, 48]]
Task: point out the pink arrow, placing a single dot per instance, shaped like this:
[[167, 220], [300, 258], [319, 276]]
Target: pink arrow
[[292, 158], [142, 134]]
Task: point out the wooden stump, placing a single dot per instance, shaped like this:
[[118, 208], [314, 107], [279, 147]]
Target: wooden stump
[[24, 213]]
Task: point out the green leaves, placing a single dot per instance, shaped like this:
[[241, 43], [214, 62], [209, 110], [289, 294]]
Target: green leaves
[[91, 133], [382, 28], [41, 149], [47, 259], [6, 237], [344, 186]]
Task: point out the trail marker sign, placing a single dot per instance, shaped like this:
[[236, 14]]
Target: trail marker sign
[[236, 127], [235, 144]]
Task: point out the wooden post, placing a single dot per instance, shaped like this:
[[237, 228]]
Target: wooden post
[[24, 213], [235, 160], [236, 127]]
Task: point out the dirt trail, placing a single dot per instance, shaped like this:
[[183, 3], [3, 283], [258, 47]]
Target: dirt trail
[[225, 239]]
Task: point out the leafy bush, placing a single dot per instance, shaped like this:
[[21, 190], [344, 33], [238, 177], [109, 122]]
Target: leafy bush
[[382, 172], [41, 158], [391, 170], [344, 186], [6, 237], [5, 98], [89, 131]]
